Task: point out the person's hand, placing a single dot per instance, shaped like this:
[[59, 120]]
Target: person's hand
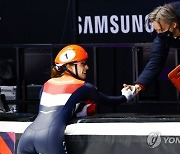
[[83, 113], [89, 109], [129, 92], [137, 87]]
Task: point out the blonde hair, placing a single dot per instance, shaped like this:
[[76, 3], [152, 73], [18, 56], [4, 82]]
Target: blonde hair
[[166, 12]]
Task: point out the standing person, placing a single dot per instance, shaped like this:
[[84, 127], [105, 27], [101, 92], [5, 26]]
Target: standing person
[[166, 22], [60, 96]]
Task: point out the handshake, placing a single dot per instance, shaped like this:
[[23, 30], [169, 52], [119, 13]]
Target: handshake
[[129, 91]]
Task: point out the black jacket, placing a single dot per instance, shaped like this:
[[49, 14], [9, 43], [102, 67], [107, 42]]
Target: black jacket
[[160, 50]]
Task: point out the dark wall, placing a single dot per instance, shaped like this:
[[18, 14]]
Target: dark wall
[[83, 21], [7, 66], [34, 22]]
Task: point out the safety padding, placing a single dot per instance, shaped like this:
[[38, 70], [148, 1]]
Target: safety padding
[[7, 142], [174, 76], [124, 133]]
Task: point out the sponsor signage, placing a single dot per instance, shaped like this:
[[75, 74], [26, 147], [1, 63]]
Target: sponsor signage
[[88, 21]]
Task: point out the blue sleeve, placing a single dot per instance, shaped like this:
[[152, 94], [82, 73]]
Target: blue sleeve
[[41, 90], [91, 92], [160, 50]]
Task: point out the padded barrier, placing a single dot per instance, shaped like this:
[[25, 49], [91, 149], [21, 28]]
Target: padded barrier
[[124, 133], [116, 133]]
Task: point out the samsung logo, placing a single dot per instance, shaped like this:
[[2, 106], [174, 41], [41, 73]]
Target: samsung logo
[[113, 24]]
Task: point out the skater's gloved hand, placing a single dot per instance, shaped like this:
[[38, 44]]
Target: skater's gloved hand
[[138, 87], [83, 113], [89, 109], [129, 93]]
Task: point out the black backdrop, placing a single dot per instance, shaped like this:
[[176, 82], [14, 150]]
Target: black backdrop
[[58, 21]]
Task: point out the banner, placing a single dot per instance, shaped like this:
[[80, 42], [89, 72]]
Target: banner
[[83, 21], [7, 142]]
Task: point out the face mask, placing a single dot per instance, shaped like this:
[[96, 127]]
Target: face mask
[[165, 34]]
